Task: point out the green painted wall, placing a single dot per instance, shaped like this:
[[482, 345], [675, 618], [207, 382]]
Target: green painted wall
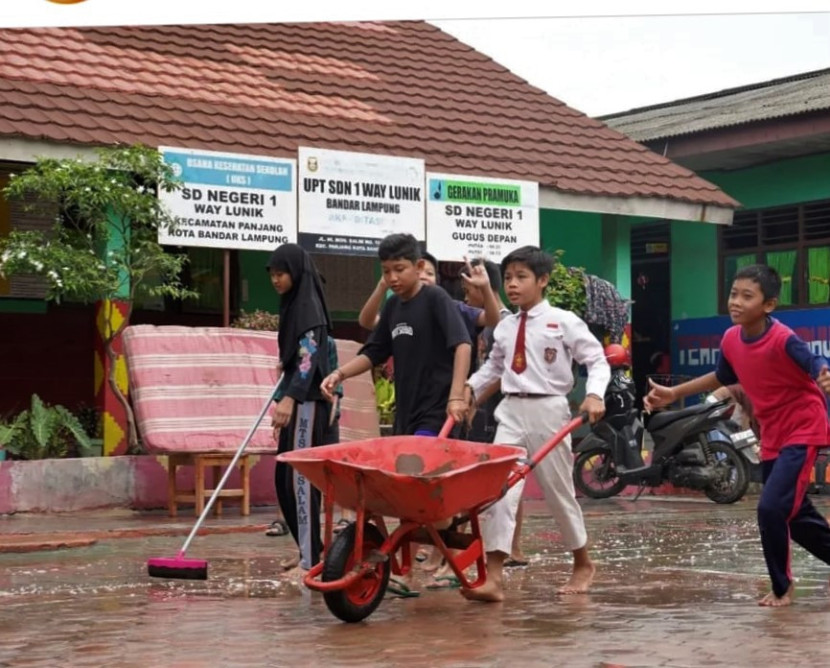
[[783, 182], [578, 234], [616, 253], [116, 242], [694, 270], [260, 293]]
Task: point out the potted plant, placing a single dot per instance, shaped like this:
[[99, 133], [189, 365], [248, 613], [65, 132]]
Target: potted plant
[[43, 432]]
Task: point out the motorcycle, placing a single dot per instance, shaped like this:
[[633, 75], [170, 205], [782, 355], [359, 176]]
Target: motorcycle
[[696, 448]]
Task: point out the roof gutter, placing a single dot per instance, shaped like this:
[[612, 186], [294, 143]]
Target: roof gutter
[[649, 207], [26, 150]]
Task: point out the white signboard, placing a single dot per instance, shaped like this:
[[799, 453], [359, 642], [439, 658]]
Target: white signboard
[[475, 216], [349, 201], [229, 200]]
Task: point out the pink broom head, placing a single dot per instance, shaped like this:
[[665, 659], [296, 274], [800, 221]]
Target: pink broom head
[[177, 568]]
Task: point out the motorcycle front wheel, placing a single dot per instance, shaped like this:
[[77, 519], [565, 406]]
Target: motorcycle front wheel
[[595, 474], [733, 473]]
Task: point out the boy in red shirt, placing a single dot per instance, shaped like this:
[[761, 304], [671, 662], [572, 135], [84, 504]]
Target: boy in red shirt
[[785, 382]]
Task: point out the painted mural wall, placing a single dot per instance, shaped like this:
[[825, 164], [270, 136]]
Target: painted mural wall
[[696, 342]]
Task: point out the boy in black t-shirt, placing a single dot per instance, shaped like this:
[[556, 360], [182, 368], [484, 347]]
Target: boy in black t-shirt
[[420, 327]]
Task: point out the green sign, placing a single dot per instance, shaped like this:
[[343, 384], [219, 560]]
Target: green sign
[[470, 192]]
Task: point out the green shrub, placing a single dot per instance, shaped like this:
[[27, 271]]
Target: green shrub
[[566, 287]]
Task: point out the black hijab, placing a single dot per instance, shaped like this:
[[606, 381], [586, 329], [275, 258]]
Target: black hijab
[[304, 306]]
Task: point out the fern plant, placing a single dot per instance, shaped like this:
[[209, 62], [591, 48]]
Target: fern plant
[[43, 432]]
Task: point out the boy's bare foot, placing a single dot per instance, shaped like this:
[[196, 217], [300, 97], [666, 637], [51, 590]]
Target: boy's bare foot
[[405, 580], [773, 601], [295, 575], [443, 571], [489, 592], [433, 561], [289, 563], [580, 580]]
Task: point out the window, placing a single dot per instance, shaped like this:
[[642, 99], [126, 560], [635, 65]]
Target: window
[[204, 273], [794, 240], [21, 286]]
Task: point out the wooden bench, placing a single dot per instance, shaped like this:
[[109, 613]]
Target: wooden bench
[[196, 392]]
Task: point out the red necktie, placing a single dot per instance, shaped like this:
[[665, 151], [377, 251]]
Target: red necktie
[[519, 359]]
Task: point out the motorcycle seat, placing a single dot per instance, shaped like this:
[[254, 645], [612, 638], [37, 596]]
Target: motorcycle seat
[[663, 418]]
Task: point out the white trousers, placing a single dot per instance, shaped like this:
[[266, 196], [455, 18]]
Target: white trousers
[[530, 423]]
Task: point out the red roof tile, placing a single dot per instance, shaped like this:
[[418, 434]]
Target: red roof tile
[[402, 88]]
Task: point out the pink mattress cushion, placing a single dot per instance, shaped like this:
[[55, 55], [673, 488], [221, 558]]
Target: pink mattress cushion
[[199, 389]]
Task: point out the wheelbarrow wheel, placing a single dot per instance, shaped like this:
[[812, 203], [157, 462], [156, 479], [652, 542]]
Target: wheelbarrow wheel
[[359, 600]]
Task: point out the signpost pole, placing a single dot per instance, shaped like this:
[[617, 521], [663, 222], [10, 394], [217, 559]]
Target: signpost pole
[[226, 289]]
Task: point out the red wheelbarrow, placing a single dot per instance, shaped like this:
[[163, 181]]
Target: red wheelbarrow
[[421, 480]]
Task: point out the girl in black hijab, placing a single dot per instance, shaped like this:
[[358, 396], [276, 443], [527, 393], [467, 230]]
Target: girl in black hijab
[[302, 415]]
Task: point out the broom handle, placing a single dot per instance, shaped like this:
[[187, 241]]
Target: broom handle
[[230, 468]]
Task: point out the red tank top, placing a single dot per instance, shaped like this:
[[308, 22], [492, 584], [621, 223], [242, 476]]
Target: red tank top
[[789, 405]]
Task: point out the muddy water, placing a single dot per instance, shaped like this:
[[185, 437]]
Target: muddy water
[[676, 587]]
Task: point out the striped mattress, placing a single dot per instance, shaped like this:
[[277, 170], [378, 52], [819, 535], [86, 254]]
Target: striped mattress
[[199, 389]]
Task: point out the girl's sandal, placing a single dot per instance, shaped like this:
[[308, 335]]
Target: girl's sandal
[[341, 524]]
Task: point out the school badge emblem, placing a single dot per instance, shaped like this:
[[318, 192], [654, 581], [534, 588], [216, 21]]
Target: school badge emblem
[[550, 355]]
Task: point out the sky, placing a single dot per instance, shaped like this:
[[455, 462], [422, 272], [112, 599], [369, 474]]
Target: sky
[[606, 65], [597, 56]]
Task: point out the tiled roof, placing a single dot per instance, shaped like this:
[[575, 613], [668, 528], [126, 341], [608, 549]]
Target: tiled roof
[[789, 96], [400, 88]]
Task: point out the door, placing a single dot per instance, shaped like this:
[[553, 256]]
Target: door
[[651, 310]]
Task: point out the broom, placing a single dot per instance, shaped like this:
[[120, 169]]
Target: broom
[[180, 567]]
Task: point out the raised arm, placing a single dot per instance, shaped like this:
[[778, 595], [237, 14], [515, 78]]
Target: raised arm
[[477, 277], [369, 317]]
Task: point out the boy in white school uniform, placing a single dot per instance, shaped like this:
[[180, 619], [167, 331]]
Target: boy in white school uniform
[[532, 356]]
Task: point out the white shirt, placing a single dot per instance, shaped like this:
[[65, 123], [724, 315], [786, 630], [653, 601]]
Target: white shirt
[[554, 338]]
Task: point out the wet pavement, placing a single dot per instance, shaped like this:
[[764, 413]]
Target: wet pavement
[[676, 585]]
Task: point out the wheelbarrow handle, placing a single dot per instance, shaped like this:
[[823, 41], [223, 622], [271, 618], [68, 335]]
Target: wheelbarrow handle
[[543, 452], [449, 423]]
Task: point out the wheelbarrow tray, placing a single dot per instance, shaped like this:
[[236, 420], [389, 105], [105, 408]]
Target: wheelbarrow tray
[[422, 479]]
